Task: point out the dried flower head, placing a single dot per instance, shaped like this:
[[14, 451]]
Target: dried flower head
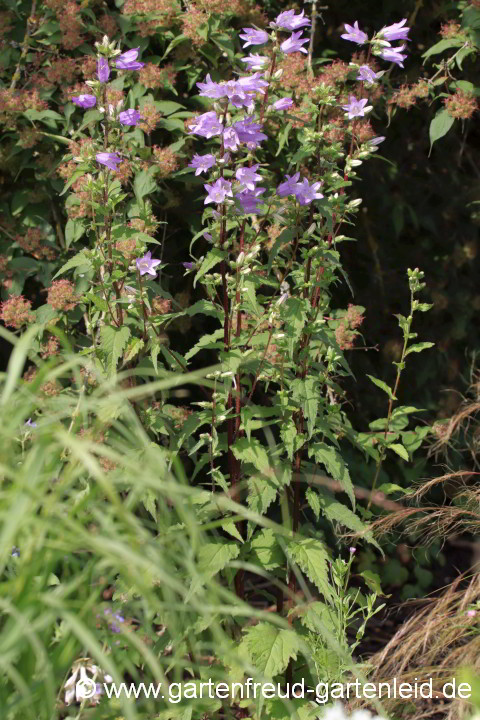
[[61, 295], [16, 312], [461, 105]]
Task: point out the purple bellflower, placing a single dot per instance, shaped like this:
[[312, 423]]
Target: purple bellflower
[[249, 201], [218, 191], [147, 265], [202, 163], [207, 125], [103, 69], [254, 62], [354, 34], [290, 186], [377, 140], [394, 55], [367, 75], [30, 423], [294, 43], [85, 101], [287, 20], [111, 160], [231, 139], [397, 31], [129, 117], [254, 37], [356, 108], [248, 176], [188, 265], [305, 193], [282, 104], [128, 60], [247, 131]]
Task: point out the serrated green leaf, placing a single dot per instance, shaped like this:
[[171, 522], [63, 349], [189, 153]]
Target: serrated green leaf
[[271, 648], [114, 341], [74, 229], [418, 347], [98, 301], [148, 500], [443, 45], [133, 349], [335, 465], [314, 501], [372, 581], [76, 261], [253, 452], [383, 386], [265, 550], [400, 450], [212, 258], [144, 184], [311, 556]]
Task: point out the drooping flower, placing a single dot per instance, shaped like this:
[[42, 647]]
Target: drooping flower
[[248, 132], [146, 264], [111, 160], [354, 34], [294, 43], [305, 193], [254, 37], [103, 69], [393, 55], [85, 101], [129, 117], [15, 551], [356, 108], [253, 83], [128, 60], [376, 140], [207, 125], [248, 176], [212, 89], [287, 20], [218, 191], [289, 186], [249, 201], [231, 139], [397, 31], [30, 423], [352, 550], [254, 62], [367, 75], [188, 265], [283, 104], [202, 163]]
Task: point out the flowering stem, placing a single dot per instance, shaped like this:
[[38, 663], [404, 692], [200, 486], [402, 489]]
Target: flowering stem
[[144, 309], [25, 44]]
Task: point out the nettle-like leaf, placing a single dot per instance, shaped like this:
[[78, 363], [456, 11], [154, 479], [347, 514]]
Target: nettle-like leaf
[[114, 341], [213, 557], [271, 648], [335, 465], [78, 260], [311, 556], [251, 451], [265, 551], [323, 502]]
